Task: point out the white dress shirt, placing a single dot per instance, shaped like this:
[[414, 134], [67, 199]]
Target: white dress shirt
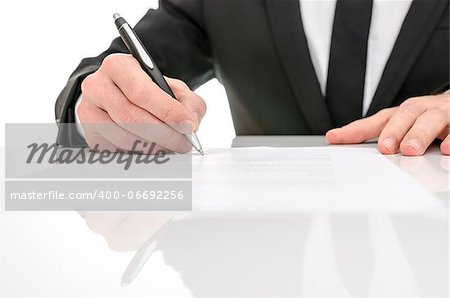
[[387, 20], [318, 17]]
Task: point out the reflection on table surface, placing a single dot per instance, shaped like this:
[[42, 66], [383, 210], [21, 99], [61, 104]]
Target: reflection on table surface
[[304, 255], [310, 254], [329, 255]]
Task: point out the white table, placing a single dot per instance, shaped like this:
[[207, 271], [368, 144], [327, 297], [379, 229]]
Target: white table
[[301, 255]]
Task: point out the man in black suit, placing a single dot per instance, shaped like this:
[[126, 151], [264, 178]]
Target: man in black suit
[[282, 76]]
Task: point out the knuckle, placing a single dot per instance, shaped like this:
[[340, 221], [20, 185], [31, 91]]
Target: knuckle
[[438, 114], [183, 118], [109, 62], [168, 114], [382, 116], [139, 94], [89, 83], [407, 110], [414, 101], [408, 101], [128, 115], [183, 85], [113, 61], [128, 58], [385, 112], [390, 110], [180, 84]]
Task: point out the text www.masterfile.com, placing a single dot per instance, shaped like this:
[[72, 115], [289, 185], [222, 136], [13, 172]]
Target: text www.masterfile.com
[[100, 195]]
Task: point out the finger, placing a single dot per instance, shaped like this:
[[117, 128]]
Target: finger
[[445, 145], [125, 140], [360, 130], [396, 128], [91, 116], [426, 128], [190, 100], [143, 92], [138, 121], [445, 163], [106, 131], [99, 143], [98, 121]]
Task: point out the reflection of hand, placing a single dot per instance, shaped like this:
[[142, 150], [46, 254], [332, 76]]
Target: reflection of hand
[[430, 170], [126, 231], [120, 95], [445, 163], [409, 128]]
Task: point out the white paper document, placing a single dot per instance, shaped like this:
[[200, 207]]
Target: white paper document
[[265, 179]]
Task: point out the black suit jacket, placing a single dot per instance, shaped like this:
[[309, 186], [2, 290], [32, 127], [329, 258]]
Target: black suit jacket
[[258, 50]]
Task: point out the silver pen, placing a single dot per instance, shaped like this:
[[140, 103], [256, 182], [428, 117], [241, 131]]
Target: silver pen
[[139, 52]]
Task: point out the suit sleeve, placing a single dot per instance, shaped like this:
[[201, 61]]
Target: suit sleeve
[[175, 36]]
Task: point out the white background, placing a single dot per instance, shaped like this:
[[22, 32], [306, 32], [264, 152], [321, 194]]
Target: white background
[[44, 41]]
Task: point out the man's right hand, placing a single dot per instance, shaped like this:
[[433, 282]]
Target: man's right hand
[[121, 104]]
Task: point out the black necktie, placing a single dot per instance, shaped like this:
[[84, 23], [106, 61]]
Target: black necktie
[[348, 56]]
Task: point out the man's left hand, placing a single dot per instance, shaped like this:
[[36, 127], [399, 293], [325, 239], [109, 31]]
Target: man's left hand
[[409, 128]]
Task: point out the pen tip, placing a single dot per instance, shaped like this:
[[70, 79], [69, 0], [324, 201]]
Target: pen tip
[[116, 16], [201, 152]]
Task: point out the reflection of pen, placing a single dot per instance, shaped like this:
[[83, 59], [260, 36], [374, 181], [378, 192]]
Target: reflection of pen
[[141, 257], [139, 52]]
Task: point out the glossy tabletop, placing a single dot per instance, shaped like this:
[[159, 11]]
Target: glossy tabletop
[[309, 254]]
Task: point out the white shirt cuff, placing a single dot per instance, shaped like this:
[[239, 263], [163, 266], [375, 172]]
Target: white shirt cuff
[[79, 127]]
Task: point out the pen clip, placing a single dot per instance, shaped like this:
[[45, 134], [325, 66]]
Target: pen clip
[[137, 45]]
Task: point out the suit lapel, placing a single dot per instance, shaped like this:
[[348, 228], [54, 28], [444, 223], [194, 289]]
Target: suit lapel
[[290, 39], [418, 26]]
